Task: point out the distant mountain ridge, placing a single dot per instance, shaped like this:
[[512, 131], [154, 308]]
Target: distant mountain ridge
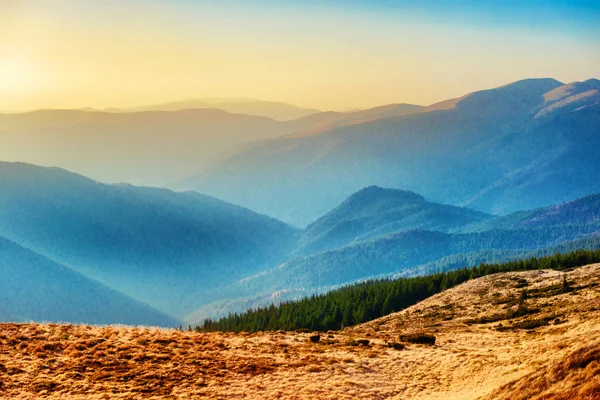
[[271, 109], [144, 147], [186, 254], [519, 146], [582, 211], [570, 97]]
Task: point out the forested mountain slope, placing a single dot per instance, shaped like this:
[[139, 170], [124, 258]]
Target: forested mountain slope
[[376, 211]]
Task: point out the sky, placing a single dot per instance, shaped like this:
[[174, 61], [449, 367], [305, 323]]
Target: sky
[[328, 54]]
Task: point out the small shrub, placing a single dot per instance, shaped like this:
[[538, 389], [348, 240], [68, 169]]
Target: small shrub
[[418, 338], [521, 311], [396, 346], [532, 323], [363, 342], [566, 286], [521, 283], [315, 338]]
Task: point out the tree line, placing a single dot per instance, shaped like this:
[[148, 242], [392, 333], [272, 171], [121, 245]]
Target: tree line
[[366, 301]]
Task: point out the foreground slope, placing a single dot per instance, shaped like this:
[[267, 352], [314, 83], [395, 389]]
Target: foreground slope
[[164, 248], [484, 349], [34, 288]]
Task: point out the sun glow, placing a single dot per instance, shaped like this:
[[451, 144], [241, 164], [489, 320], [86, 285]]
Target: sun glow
[[65, 53], [17, 76]]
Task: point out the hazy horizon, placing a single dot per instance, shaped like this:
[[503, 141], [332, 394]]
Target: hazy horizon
[[326, 55]]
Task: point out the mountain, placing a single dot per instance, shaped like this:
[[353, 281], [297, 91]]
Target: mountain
[[495, 150], [375, 211], [270, 109], [401, 251], [261, 298], [571, 97], [555, 161], [379, 233], [34, 288], [581, 211], [170, 250], [327, 121], [146, 147]]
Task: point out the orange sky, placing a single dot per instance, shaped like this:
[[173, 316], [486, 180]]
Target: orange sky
[[67, 53]]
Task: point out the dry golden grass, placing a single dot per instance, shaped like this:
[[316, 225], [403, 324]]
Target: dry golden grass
[[482, 351]]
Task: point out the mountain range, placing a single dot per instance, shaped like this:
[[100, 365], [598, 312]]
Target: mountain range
[[436, 239], [145, 147], [183, 255], [158, 146], [524, 145], [170, 250], [270, 109], [299, 206]]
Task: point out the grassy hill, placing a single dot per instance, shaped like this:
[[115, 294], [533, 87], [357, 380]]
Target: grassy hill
[[482, 350]]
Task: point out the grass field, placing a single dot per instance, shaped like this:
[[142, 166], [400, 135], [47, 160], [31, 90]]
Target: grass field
[[522, 335]]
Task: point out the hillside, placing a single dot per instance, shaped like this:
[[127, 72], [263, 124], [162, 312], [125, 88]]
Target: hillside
[[380, 232], [262, 290], [483, 349], [402, 251], [499, 150], [170, 250], [581, 211], [375, 211], [34, 288], [328, 121], [143, 148]]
